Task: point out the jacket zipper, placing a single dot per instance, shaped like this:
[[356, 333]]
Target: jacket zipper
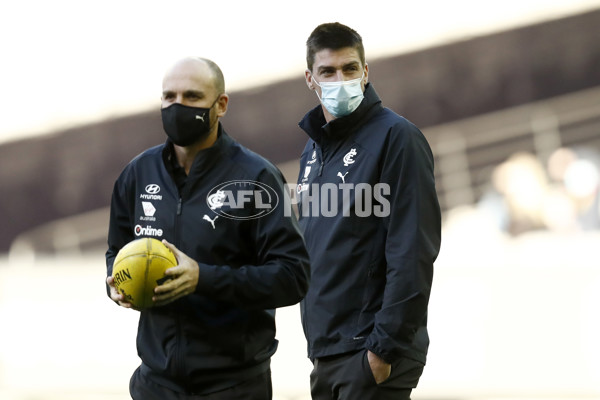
[[321, 156], [176, 223], [179, 359]]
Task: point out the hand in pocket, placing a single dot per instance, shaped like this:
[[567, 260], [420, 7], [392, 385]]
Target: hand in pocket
[[380, 369]]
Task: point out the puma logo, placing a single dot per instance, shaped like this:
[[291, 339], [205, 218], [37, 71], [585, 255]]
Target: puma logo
[[342, 176], [200, 117], [212, 221]]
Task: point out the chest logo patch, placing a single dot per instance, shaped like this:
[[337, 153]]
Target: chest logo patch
[[216, 200], [349, 157]]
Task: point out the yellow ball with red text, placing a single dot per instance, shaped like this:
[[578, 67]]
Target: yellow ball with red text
[[139, 268]]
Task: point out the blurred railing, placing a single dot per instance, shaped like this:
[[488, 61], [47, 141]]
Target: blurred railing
[[467, 151]]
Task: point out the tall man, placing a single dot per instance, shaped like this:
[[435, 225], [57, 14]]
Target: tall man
[[371, 221], [211, 332]]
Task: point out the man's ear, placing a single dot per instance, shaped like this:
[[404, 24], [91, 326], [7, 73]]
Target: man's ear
[[308, 78], [222, 104]]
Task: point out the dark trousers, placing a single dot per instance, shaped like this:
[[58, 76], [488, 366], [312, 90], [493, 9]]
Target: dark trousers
[[349, 377], [258, 388]]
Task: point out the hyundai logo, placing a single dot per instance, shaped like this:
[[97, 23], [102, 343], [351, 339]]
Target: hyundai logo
[[152, 188]]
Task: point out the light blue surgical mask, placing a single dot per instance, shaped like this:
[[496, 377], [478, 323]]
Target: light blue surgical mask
[[342, 97]]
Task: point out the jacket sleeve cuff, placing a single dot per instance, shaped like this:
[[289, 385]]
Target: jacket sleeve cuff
[[207, 278]]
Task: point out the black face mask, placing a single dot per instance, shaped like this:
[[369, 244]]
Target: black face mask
[[186, 125]]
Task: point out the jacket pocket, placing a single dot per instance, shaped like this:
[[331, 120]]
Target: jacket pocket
[[372, 295]]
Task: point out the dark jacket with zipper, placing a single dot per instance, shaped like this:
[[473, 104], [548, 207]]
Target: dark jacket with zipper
[[224, 333], [371, 222]]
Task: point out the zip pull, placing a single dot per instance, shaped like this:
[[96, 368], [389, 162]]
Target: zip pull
[[322, 158], [179, 206]]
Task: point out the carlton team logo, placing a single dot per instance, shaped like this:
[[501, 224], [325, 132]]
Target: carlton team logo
[[349, 157], [255, 198], [216, 200]]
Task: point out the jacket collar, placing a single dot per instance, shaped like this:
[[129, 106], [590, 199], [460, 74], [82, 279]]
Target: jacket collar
[[317, 128], [205, 159]]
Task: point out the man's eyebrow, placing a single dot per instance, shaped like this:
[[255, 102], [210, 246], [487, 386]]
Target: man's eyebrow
[[351, 64], [197, 93], [324, 68]]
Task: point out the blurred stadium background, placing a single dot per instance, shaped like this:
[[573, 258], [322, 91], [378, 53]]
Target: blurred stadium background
[[513, 117]]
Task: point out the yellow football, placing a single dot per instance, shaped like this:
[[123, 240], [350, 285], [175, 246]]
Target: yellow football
[[139, 268]]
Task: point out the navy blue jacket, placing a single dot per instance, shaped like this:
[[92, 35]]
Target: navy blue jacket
[[372, 226], [223, 333]]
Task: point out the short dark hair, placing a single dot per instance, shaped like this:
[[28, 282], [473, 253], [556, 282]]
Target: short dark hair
[[332, 36]]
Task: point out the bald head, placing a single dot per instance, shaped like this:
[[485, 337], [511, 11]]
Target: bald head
[[204, 67], [192, 80]]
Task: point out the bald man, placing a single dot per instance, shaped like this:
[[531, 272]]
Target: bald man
[[219, 207]]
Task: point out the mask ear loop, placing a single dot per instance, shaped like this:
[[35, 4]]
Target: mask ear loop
[[318, 84], [363, 77], [215, 102], [312, 78], [210, 127]]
